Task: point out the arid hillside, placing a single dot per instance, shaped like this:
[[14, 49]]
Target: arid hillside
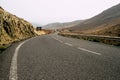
[[109, 31], [13, 28], [106, 23]]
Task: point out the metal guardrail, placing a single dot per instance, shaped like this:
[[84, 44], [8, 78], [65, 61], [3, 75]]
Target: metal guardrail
[[96, 38], [104, 37]]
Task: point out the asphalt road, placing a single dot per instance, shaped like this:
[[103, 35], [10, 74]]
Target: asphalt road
[[53, 57]]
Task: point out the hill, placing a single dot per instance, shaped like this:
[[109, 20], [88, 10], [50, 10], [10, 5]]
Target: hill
[[13, 28], [105, 23], [58, 25]]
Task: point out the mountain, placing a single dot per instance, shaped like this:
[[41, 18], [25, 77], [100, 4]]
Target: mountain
[[58, 25], [13, 28], [105, 23]]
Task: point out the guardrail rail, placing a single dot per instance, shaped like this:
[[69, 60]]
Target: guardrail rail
[[95, 38]]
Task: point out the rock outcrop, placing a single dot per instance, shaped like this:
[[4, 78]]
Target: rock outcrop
[[13, 28]]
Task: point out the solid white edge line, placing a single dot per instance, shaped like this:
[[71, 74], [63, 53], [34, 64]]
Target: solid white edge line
[[89, 51], [13, 68], [68, 44]]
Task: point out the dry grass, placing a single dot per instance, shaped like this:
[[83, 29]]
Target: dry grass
[[39, 32], [13, 28]]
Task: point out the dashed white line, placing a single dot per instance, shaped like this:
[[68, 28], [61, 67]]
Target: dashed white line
[[57, 39], [13, 68], [60, 41], [89, 51], [68, 44], [83, 49]]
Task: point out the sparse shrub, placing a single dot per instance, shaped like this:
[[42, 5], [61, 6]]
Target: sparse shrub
[[2, 48]]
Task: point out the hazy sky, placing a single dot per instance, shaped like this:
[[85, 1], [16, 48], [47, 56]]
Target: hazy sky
[[49, 11]]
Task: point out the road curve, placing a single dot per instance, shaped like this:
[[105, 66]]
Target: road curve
[[53, 57]]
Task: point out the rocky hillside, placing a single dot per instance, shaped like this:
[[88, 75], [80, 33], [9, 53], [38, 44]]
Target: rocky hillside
[[105, 23], [13, 28], [108, 31]]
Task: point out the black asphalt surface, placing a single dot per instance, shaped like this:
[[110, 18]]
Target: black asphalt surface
[[53, 57], [5, 61]]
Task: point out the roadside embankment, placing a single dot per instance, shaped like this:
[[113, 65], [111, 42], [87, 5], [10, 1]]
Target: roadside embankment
[[13, 29], [95, 38]]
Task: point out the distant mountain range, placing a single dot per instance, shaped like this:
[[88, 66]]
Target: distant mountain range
[[58, 25], [105, 23]]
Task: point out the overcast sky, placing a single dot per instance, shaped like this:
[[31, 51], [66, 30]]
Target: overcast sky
[[49, 11]]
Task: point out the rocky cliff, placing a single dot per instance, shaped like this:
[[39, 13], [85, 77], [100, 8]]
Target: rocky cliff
[[13, 28]]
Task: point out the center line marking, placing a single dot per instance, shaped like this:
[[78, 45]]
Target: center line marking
[[13, 68], [68, 44], [89, 51], [60, 41], [57, 39]]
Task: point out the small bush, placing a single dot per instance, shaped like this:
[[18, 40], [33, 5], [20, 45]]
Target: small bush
[[2, 48]]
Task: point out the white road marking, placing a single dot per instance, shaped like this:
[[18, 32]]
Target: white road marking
[[68, 44], [13, 68], [89, 51], [60, 41], [57, 39]]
